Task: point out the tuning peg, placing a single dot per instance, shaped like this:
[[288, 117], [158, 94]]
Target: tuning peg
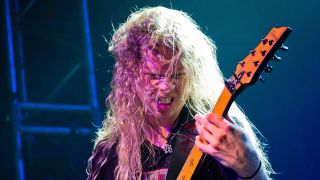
[[271, 42], [256, 63], [284, 48], [263, 52], [261, 79], [242, 63], [268, 69], [276, 58], [253, 52], [264, 41]]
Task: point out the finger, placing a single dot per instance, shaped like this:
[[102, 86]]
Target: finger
[[205, 148], [205, 134], [219, 121], [221, 157], [222, 161], [218, 134], [199, 118], [206, 124], [212, 152]]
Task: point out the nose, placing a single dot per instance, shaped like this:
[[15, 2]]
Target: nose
[[166, 85]]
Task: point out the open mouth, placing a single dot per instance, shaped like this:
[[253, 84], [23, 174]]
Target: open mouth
[[165, 100], [164, 103]]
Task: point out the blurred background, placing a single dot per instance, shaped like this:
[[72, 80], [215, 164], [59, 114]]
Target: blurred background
[[55, 75]]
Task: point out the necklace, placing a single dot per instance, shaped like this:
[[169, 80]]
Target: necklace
[[167, 147]]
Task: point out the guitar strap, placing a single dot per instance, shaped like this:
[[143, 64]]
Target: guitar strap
[[178, 158], [182, 146]]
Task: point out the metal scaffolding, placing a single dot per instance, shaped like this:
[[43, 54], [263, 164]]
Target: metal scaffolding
[[18, 86]]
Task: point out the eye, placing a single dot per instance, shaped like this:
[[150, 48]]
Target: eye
[[178, 75], [154, 76]]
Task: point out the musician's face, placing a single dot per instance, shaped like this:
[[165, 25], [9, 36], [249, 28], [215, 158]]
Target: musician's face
[[163, 87]]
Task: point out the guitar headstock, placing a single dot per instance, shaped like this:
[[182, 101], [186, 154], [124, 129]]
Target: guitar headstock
[[249, 69]]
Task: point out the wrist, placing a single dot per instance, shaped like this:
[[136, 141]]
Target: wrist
[[253, 174]]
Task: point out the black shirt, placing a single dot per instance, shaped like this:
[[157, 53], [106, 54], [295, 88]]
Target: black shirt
[[182, 140]]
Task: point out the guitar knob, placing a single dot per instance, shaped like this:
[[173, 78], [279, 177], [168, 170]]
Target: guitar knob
[[253, 52], [261, 79], [284, 48], [276, 58], [268, 69]]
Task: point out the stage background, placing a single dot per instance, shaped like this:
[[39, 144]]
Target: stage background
[[284, 109]]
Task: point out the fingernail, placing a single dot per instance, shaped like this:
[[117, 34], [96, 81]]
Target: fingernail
[[196, 117]]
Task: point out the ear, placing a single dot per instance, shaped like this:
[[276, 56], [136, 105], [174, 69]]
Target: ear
[[187, 91]]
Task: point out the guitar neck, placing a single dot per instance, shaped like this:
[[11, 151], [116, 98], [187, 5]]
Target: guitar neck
[[247, 72], [224, 102], [221, 108]]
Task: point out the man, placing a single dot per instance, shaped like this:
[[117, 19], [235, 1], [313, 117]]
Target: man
[[166, 75]]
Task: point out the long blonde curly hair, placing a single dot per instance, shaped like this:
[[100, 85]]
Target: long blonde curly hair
[[125, 124]]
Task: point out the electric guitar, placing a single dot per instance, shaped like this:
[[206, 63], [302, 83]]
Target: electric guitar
[[247, 73]]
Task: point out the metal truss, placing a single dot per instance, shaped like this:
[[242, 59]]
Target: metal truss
[[17, 83]]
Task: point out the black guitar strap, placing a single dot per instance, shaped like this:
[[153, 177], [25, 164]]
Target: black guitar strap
[[181, 151], [182, 145]]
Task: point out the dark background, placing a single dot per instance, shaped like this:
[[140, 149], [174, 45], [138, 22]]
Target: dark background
[[284, 109]]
